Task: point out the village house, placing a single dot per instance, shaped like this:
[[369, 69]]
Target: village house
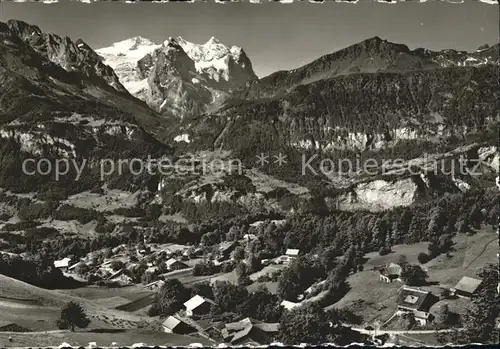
[[249, 332], [155, 285], [198, 305], [390, 273], [225, 249], [417, 302], [466, 287], [289, 305], [289, 256], [62, 264], [175, 325], [249, 237], [292, 252], [174, 264], [122, 280]]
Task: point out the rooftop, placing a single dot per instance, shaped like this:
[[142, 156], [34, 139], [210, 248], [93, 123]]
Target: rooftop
[[171, 322], [394, 269], [292, 252], [62, 263], [468, 284], [289, 305], [241, 334], [172, 261], [412, 298], [241, 329], [196, 301], [223, 246]]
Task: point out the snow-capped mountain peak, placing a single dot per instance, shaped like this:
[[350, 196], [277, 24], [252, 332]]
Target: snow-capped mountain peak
[[144, 67], [123, 56], [130, 49]]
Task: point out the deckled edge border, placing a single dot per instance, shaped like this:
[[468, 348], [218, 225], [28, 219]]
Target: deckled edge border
[[489, 2]]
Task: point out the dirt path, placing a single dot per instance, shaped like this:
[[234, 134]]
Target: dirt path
[[18, 303], [379, 332], [480, 253], [36, 332]]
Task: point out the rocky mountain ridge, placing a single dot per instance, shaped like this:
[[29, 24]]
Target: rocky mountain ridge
[[178, 77], [68, 106], [72, 56], [357, 112], [372, 55]]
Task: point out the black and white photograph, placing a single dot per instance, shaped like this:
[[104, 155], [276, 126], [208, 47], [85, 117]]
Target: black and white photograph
[[250, 173]]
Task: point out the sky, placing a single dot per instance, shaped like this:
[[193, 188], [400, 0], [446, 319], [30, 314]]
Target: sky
[[274, 36]]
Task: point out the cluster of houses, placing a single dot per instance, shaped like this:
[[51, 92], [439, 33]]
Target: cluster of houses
[[244, 332], [390, 273], [174, 261], [249, 332], [288, 257], [419, 302]]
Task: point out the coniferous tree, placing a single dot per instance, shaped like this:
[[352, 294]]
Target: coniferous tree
[[72, 315]]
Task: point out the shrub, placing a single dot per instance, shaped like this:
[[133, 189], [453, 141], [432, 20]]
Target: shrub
[[130, 211], [82, 269], [423, 258], [445, 294], [384, 250], [117, 265]]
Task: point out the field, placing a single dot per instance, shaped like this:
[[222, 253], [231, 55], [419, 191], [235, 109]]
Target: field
[[375, 301], [128, 293], [82, 338], [267, 270], [38, 310], [113, 199]]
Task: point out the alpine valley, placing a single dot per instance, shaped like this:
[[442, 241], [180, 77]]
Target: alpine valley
[[427, 119]]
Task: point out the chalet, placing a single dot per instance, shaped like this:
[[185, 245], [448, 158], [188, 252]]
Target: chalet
[[249, 237], [466, 287], [292, 252], [225, 249], [289, 305], [249, 331], [417, 302], [289, 256], [390, 273], [175, 325], [174, 264], [155, 285], [122, 280], [151, 270], [198, 305], [282, 259], [62, 264]]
